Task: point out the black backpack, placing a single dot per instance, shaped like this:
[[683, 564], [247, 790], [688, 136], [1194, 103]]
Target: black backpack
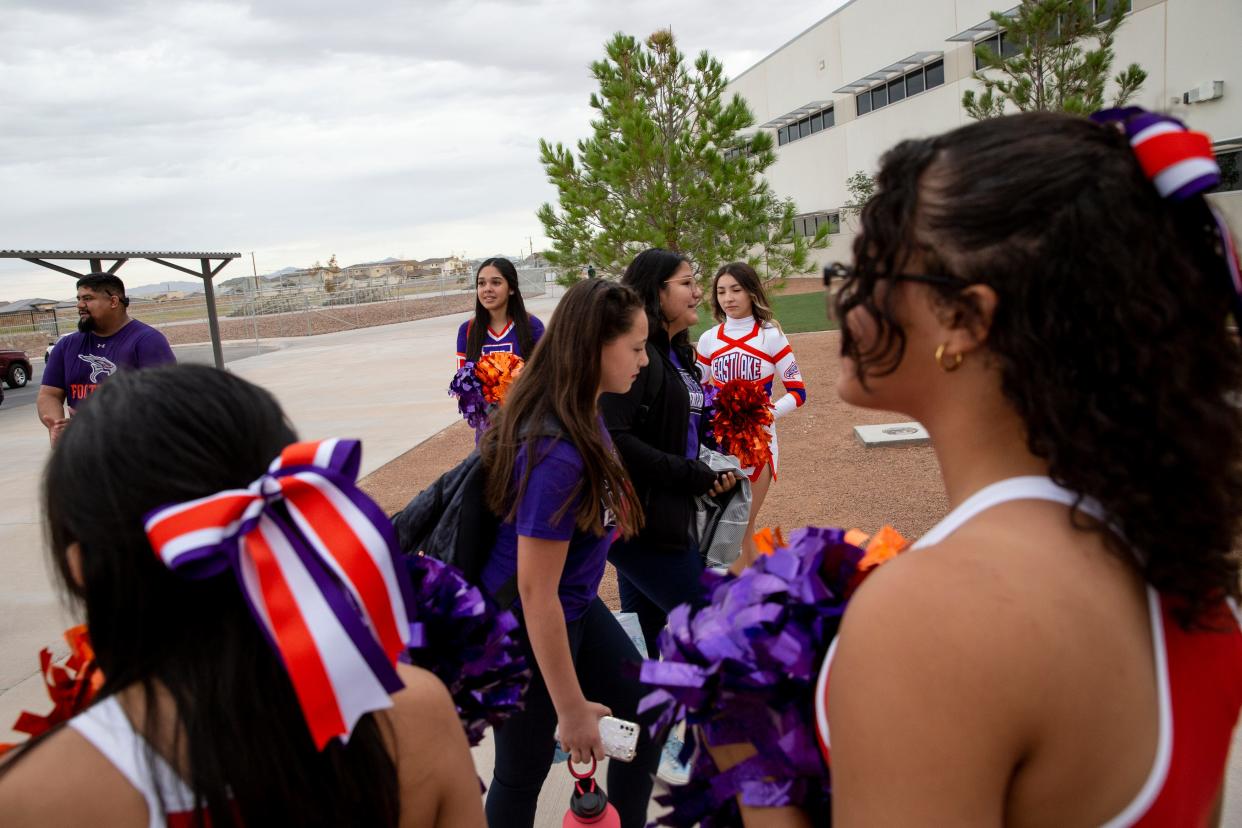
[[450, 521]]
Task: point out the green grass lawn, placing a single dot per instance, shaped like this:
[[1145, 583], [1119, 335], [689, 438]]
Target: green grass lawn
[[799, 313]]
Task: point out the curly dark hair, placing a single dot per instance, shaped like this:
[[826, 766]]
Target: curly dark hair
[[1110, 328]]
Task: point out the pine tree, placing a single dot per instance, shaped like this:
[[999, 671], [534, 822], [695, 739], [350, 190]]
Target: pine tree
[[670, 164], [1055, 56]]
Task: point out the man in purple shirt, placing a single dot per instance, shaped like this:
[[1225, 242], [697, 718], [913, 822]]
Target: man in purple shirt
[[107, 341]]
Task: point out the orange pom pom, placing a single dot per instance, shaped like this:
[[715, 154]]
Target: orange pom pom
[[71, 686], [497, 372]]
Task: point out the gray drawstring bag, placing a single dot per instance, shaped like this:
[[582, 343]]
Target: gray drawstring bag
[[720, 521]]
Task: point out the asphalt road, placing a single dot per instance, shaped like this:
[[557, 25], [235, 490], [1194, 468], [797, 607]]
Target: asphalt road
[[15, 398]]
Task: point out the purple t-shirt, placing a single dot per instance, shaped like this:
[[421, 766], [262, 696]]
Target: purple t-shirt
[[696, 406], [504, 341], [558, 469], [81, 361]]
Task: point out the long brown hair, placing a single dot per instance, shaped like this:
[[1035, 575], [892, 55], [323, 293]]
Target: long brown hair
[[751, 283], [556, 391], [516, 310]]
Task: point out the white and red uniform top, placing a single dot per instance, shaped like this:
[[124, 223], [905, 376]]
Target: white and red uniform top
[[170, 802], [1198, 674], [755, 352]]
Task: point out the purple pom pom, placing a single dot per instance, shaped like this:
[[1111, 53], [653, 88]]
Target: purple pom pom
[[740, 664], [468, 390], [458, 634], [708, 436]]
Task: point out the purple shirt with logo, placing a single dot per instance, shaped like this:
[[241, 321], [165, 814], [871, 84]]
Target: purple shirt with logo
[[695, 391], [81, 361], [558, 469]]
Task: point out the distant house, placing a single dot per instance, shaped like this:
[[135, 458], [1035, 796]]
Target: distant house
[[25, 306], [32, 315]]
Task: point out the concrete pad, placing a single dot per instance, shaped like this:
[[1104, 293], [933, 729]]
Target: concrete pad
[[892, 434]]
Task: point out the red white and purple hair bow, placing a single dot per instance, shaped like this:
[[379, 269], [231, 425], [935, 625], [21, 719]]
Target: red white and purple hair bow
[[1181, 165], [316, 561]]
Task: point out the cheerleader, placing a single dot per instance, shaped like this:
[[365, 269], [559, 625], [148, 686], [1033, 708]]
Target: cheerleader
[[501, 323], [749, 345]]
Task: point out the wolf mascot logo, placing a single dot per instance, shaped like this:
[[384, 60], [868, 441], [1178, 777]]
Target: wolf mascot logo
[[100, 366]]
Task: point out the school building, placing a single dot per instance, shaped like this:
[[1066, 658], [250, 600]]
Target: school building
[[875, 72]]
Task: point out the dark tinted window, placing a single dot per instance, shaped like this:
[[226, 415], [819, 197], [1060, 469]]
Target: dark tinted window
[[935, 74], [782, 137], [914, 82], [1009, 46], [864, 103], [896, 90], [830, 118], [804, 127], [879, 97], [817, 123], [1230, 171]]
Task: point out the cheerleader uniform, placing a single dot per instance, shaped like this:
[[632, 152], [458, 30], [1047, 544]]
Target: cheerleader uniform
[[1198, 677], [504, 341], [756, 352]]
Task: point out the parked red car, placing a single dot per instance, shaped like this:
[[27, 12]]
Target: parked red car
[[15, 368]]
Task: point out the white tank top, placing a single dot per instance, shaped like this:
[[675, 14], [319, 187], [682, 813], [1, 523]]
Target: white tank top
[[105, 725], [1042, 488]]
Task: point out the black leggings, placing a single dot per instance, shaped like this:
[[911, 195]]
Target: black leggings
[[524, 743]]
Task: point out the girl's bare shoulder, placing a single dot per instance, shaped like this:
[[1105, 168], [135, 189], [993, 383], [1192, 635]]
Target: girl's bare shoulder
[[65, 781]]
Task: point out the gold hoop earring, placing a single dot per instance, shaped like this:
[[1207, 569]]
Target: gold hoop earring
[[957, 359]]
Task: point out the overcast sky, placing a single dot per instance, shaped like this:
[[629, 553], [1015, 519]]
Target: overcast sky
[[303, 129]]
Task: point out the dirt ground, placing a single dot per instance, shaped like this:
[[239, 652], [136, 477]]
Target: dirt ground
[[826, 476]]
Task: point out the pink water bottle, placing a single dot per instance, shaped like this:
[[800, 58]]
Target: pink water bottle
[[588, 804]]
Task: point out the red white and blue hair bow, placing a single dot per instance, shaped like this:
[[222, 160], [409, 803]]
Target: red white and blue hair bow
[[317, 563], [1181, 165]]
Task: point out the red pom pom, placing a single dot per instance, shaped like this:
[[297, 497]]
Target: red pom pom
[[740, 422]]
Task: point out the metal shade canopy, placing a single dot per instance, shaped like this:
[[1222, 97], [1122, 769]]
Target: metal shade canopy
[[207, 271]]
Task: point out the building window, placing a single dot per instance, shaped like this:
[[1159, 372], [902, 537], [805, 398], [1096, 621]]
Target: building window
[[808, 125], [897, 90], [1230, 171], [808, 225], [1000, 43], [914, 82], [1104, 8], [911, 83]]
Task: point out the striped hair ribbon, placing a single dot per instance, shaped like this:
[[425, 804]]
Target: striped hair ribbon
[[1181, 165], [1179, 162], [316, 561]]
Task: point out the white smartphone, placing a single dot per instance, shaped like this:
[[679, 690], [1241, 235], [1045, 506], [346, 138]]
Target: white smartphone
[[620, 738]]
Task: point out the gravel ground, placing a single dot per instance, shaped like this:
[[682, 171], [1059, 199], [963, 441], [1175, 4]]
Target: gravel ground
[[826, 476]]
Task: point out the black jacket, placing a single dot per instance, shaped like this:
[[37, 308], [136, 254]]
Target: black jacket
[[648, 426]]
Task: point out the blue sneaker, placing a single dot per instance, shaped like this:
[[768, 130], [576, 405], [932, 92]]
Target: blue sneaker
[[671, 770]]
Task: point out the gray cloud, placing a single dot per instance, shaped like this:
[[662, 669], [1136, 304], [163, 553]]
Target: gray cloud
[[299, 129]]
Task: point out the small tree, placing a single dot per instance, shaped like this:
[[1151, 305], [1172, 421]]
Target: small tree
[[861, 187], [1046, 63], [669, 165]]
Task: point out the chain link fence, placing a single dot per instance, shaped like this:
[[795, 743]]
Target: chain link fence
[[298, 305]]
